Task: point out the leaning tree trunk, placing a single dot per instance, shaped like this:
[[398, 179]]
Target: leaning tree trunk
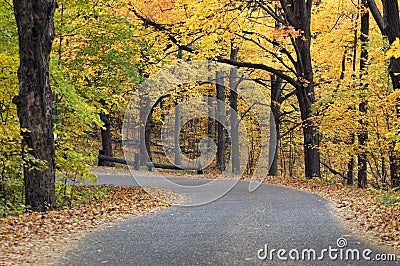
[[35, 22]]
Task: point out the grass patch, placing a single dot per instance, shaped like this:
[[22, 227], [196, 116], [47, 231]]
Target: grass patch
[[388, 199]]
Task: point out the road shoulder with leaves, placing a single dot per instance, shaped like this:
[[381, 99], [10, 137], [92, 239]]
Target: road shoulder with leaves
[[42, 238], [372, 214]]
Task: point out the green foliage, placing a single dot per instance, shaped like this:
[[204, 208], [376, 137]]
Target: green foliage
[[10, 139], [94, 66], [388, 199], [74, 118], [99, 53], [12, 202]]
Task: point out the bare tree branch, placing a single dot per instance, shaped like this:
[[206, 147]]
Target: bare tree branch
[[377, 16], [290, 130], [279, 73], [8, 3], [333, 171], [271, 12], [269, 52], [161, 28]]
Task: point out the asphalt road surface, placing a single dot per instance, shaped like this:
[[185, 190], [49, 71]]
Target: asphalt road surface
[[240, 228]]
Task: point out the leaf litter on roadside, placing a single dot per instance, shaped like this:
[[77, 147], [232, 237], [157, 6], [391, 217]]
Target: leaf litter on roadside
[[363, 209], [42, 238]]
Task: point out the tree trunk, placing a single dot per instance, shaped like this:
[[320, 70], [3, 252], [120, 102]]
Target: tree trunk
[[363, 134], [305, 96], [177, 130], [298, 14], [350, 172], [311, 150], [391, 16], [144, 106], [233, 100], [106, 138], [394, 168], [389, 25], [221, 117], [394, 157], [276, 101], [210, 121], [35, 22], [146, 156], [177, 127]]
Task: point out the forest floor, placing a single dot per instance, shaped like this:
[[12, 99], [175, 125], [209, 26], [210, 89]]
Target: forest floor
[[42, 238]]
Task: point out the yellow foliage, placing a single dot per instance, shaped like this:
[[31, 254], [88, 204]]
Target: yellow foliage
[[394, 50]]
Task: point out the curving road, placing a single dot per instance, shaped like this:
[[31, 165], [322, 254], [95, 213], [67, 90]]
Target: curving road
[[233, 230]]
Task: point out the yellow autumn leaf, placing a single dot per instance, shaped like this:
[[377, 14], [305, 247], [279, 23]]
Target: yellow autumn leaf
[[394, 50]]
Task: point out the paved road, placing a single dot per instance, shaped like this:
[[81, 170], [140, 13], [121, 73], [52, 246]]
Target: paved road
[[228, 231]]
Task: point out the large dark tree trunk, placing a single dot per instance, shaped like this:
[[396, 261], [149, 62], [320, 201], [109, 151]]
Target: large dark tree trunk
[[298, 15], [392, 23], [389, 25], [35, 22], [363, 133], [311, 149], [350, 172], [106, 136]]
